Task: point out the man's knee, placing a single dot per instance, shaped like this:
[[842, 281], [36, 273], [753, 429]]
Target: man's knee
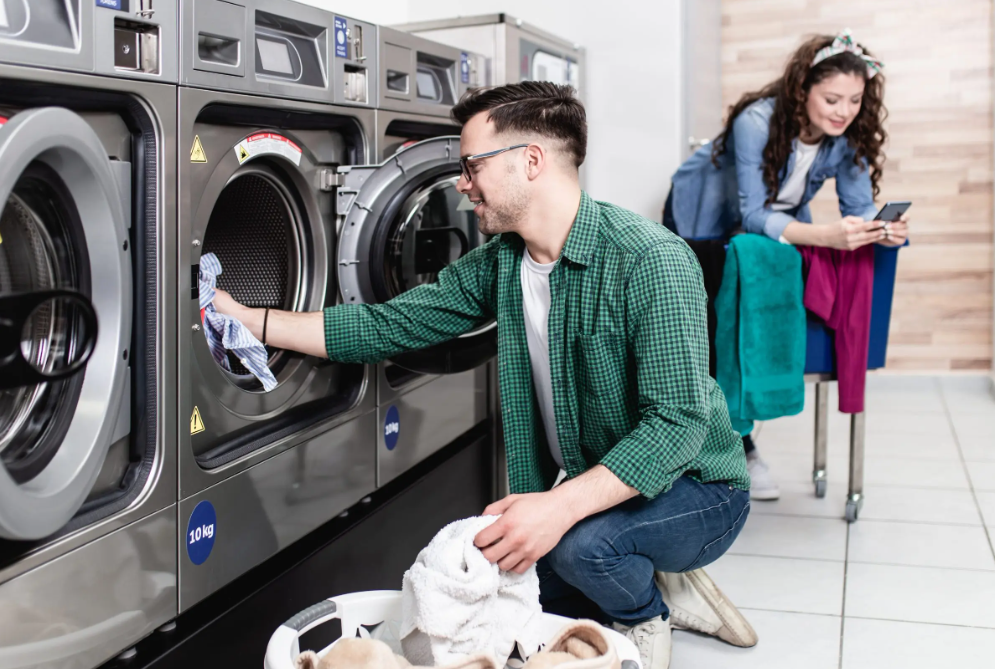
[[586, 546]]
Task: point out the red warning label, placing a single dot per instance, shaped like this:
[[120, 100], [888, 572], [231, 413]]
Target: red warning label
[[268, 143]]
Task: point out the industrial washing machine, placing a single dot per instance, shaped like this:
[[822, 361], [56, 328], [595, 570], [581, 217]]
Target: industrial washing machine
[[517, 51], [434, 396], [87, 429], [260, 141]]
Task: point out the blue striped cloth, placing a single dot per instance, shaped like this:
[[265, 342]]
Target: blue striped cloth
[[224, 333]]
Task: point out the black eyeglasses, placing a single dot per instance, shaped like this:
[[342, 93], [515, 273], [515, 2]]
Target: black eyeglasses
[[464, 162]]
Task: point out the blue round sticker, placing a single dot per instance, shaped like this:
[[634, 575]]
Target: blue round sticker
[[201, 529], [391, 428]]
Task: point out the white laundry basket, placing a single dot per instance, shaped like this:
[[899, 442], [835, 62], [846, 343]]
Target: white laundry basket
[[380, 611]]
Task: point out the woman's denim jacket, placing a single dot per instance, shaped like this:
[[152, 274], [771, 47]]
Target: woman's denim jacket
[[710, 202]]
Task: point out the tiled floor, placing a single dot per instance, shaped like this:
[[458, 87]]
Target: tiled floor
[[912, 583]]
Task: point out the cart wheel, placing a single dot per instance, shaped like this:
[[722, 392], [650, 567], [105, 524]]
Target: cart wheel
[[851, 512], [820, 489]]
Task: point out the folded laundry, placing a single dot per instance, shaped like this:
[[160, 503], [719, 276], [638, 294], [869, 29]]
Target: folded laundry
[[225, 333], [454, 602]]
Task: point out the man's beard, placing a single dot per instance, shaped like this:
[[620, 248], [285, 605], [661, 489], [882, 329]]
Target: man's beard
[[504, 217]]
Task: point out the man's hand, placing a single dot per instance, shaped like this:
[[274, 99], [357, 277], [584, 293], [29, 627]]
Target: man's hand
[[529, 527], [226, 304]]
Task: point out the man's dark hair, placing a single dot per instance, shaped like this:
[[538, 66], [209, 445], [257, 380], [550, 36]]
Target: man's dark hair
[[531, 107]]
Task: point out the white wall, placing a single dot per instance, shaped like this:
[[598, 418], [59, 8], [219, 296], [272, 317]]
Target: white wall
[[633, 86]]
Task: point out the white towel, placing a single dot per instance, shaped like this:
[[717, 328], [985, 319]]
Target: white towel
[[456, 603]]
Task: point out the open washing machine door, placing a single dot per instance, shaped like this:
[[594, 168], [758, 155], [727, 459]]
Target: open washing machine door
[[63, 232], [403, 222]]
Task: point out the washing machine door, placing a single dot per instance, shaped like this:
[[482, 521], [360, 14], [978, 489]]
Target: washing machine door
[[63, 232], [404, 223]]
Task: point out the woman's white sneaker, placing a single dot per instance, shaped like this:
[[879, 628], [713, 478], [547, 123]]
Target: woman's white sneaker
[[762, 484]]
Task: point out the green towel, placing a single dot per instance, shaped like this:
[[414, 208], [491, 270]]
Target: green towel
[[760, 335]]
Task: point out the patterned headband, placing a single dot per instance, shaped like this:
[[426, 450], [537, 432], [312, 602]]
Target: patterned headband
[[843, 43]]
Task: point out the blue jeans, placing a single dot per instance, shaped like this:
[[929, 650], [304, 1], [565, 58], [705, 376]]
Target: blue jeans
[[609, 559]]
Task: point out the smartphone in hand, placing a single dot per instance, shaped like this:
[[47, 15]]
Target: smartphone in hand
[[891, 212]]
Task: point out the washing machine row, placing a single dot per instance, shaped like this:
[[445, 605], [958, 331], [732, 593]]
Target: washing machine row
[[313, 155]]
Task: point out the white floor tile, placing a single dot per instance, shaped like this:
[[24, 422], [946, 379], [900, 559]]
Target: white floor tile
[[787, 641], [920, 545], [968, 405], [986, 500], [911, 446], [786, 536], [781, 584], [873, 644], [798, 499], [974, 385], [918, 403], [920, 505], [978, 449], [975, 424], [921, 594], [982, 475], [914, 473], [896, 384], [798, 468], [916, 424]]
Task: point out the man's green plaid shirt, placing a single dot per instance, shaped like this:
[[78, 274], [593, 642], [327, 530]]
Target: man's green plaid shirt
[[628, 352]]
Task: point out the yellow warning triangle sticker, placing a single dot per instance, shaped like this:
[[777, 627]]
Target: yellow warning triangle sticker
[[242, 154], [197, 154], [196, 422]]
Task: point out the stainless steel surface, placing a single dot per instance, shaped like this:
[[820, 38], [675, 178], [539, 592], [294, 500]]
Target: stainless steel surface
[[269, 506], [430, 416], [65, 143], [224, 405], [81, 36], [857, 435], [278, 48], [394, 129], [86, 606], [702, 72], [410, 65], [821, 431], [363, 199], [108, 578], [509, 44], [159, 488]]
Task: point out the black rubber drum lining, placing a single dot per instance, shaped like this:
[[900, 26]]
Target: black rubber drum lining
[[41, 248], [256, 232]]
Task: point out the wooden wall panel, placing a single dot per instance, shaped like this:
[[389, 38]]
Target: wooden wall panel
[[938, 64]]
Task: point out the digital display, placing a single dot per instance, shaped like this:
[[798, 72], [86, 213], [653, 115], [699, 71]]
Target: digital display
[[274, 56]]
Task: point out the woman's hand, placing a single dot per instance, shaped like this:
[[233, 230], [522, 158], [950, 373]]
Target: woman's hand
[[852, 232], [896, 232]]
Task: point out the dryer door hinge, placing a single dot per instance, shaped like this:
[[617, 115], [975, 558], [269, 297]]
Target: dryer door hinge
[[329, 179]]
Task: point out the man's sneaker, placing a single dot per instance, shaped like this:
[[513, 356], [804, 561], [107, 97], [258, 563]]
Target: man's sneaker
[[697, 604], [762, 485], [652, 638]]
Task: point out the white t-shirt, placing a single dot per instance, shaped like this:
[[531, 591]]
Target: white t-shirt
[[535, 304], [793, 188]]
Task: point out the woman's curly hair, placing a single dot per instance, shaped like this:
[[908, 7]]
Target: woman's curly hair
[[866, 134]]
